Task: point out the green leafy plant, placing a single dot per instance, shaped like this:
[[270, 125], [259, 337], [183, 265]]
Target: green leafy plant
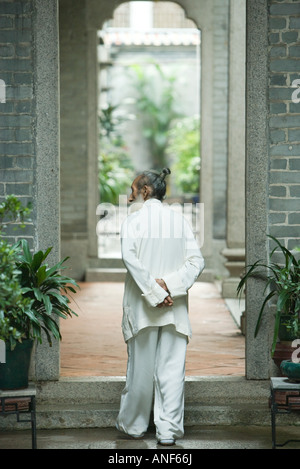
[[46, 289], [283, 283], [12, 302], [115, 168], [32, 295], [184, 149], [156, 106]]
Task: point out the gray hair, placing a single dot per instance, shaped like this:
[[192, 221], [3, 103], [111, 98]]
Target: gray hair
[[155, 180]]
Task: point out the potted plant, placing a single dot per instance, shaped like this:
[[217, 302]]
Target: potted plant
[[282, 283], [33, 296]]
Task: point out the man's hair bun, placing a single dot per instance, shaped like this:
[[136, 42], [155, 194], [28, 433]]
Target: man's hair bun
[[164, 173]]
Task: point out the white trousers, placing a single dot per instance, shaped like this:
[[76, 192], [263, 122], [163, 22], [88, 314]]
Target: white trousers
[[156, 361]]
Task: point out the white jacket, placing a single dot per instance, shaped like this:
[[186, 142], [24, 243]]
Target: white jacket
[[157, 242]]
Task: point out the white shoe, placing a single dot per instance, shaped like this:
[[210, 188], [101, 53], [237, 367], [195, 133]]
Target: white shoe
[[167, 442]]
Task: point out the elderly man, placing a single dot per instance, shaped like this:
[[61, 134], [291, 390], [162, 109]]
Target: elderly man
[[163, 261]]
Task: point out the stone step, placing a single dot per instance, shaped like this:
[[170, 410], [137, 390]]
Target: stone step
[[94, 402], [104, 389]]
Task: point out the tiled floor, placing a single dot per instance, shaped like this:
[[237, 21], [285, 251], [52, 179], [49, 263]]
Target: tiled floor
[[93, 344]]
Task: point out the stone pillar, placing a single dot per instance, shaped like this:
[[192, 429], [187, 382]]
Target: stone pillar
[[257, 164], [235, 236], [47, 183]]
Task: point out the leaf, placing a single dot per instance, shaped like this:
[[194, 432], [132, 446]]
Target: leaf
[[26, 251]]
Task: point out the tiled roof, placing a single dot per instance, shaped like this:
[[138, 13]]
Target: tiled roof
[[151, 37]]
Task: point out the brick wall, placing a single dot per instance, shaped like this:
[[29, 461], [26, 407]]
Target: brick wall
[[284, 121], [17, 113]]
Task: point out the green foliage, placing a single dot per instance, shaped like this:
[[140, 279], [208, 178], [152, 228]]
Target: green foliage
[[184, 148], [282, 282], [115, 172], [12, 302], [31, 294], [12, 210], [44, 287], [156, 106], [115, 168]]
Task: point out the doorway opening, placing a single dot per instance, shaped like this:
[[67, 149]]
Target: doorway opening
[[121, 126]]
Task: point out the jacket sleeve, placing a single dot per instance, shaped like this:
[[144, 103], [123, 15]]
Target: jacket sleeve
[[180, 281], [151, 291]]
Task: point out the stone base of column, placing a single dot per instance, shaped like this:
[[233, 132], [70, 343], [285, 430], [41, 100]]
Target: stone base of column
[[235, 265]]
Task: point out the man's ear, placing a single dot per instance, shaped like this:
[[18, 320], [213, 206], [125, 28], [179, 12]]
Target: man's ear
[[146, 192]]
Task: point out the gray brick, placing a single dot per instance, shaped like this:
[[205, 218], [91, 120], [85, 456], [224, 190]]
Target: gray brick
[[285, 9], [277, 191], [295, 23], [284, 231], [284, 177], [19, 189], [284, 205], [24, 134], [6, 162], [277, 108], [15, 7], [7, 50], [15, 121], [28, 230], [285, 65], [16, 175], [295, 191], [294, 135], [290, 37], [20, 65], [278, 163], [284, 121], [12, 36], [294, 51], [23, 50], [277, 218], [278, 51], [295, 164], [23, 22], [7, 134], [285, 150], [274, 38], [6, 22], [294, 218], [16, 148], [23, 107], [277, 23], [278, 80], [7, 108], [277, 136], [25, 78], [295, 108], [19, 92], [293, 243], [282, 93], [23, 162]]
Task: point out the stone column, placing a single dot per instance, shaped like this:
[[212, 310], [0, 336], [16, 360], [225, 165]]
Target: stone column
[[257, 164], [235, 236], [47, 194]]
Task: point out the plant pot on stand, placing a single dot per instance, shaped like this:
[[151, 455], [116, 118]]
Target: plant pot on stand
[[14, 372], [288, 333]]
